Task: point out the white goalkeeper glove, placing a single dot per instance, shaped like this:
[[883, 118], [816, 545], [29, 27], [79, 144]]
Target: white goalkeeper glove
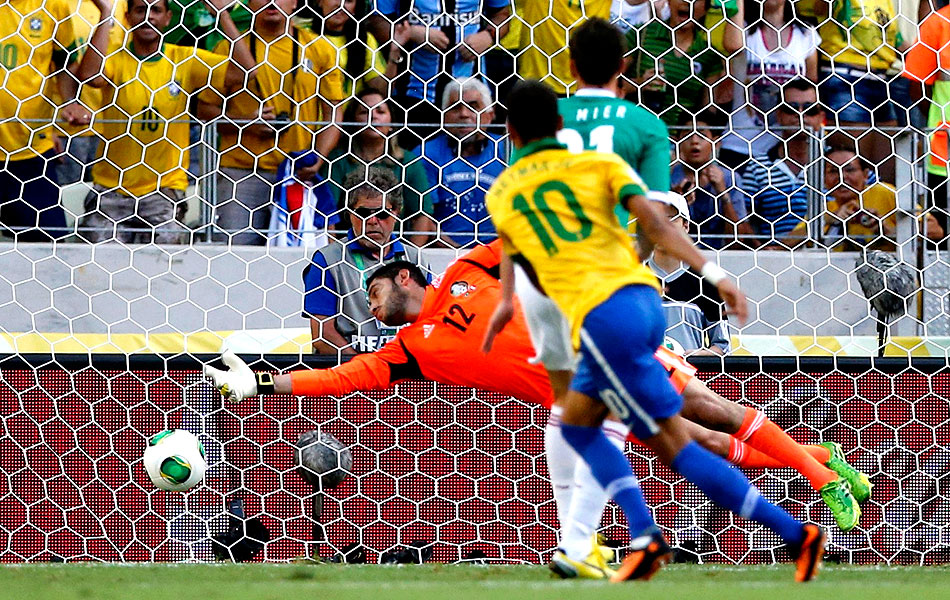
[[235, 384]]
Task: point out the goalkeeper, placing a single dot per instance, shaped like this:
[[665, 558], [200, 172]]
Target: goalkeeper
[[446, 323]]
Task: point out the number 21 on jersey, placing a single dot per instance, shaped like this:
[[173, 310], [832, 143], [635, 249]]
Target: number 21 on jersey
[[601, 139]]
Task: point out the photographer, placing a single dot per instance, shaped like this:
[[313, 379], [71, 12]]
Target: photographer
[[297, 84], [335, 280]]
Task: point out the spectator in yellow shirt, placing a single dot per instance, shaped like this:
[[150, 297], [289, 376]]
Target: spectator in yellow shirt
[[858, 56], [859, 215], [298, 85], [139, 177], [358, 54], [545, 36], [78, 143], [37, 43]]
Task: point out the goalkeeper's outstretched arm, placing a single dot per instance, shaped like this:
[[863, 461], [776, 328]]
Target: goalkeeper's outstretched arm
[[363, 373]]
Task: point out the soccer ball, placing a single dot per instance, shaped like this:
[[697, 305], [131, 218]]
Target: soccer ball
[[673, 345], [175, 460]]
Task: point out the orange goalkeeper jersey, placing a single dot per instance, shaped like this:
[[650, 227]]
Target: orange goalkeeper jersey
[[444, 344]]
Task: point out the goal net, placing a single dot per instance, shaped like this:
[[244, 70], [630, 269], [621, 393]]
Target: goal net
[[457, 470], [182, 214]]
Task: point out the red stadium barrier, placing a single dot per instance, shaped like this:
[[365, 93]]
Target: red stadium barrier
[[462, 469]]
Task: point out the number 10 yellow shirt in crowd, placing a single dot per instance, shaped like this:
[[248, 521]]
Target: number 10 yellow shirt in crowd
[[555, 209], [151, 151]]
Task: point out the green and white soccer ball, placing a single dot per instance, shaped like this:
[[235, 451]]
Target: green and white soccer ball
[[673, 345], [175, 460]]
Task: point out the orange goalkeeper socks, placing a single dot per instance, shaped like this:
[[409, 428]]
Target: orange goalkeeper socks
[[764, 436], [743, 455]]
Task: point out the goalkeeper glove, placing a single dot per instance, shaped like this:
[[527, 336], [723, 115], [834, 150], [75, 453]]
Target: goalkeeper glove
[[238, 382]]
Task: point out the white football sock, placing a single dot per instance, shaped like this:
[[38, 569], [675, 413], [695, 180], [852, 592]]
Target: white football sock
[[562, 460], [588, 501]]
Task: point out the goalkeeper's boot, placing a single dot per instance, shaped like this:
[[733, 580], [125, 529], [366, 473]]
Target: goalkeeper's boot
[[809, 554], [860, 483], [648, 554], [600, 545], [592, 567], [837, 495]]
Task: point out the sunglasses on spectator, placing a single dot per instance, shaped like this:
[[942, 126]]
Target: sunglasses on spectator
[[806, 108], [366, 213]]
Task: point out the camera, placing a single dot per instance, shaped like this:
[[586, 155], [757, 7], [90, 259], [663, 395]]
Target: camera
[[867, 220]]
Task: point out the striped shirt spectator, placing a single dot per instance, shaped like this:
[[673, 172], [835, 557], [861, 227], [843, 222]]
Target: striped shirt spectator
[[776, 182], [777, 197]]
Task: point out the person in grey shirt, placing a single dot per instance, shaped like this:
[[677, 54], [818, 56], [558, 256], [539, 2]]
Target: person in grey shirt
[[335, 280], [693, 309], [687, 324]]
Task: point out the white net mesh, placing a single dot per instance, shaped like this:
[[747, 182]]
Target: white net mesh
[[192, 167], [456, 470]]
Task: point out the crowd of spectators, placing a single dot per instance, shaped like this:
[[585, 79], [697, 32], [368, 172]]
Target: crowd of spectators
[[408, 98], [748, 88]]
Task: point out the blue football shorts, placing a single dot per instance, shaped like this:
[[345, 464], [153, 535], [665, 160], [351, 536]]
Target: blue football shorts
[[619, 338]]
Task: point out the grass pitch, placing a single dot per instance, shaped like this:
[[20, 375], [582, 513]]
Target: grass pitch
[[438, 582]]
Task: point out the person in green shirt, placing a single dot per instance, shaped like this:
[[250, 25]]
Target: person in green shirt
[[373, 143], [673, 70], [596, 119]]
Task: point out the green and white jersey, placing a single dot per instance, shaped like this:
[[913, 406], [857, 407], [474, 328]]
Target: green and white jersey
[[595, 119]]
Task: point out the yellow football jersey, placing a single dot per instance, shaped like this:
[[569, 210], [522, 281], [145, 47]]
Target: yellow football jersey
[[863, 34], [34, 35], [545, 34], [84, 21], [556, 209], [374, 64], [291, 92], [151, 151]]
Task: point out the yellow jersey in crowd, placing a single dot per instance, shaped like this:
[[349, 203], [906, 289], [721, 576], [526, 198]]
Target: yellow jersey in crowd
[[556, 209], [35, 35], [545, 35], [373, 64], [860, 33], [84, 21], [291, 92], [151, 151]]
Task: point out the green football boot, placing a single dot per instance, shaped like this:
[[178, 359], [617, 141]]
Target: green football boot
[[837, 495], [860, 483]]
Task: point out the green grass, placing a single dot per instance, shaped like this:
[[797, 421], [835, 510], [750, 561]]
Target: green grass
[[437, 582]]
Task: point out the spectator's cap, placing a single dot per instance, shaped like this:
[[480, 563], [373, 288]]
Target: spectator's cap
[[673, 199]]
